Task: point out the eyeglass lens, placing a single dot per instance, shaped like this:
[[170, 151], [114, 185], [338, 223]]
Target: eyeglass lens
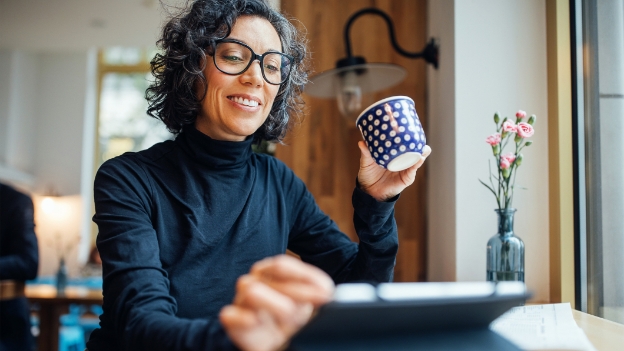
[[233, 58]]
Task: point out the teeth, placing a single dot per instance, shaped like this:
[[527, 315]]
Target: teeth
[[242, 101]]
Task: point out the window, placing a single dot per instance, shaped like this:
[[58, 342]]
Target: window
[[123, 124], [598, 118]]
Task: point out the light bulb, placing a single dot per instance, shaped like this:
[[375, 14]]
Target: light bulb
[[349, 94], [55, 208], [48, 205]]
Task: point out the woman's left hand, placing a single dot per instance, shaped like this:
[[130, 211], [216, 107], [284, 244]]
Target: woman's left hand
[[380, 183]]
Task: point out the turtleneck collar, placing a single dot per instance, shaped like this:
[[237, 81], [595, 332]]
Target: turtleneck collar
[[214, 153]]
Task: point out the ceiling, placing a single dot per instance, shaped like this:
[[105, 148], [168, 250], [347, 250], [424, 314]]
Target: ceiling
[[61, 25]]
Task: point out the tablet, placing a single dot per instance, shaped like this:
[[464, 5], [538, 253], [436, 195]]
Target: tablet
[[396, 315]]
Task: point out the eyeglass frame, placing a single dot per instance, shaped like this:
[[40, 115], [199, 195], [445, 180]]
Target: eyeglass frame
[[254, 57]]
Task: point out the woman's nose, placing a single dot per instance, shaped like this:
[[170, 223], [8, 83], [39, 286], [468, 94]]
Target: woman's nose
[[253, 75]]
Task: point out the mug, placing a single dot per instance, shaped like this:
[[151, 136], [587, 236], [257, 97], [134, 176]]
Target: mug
[[393, 133]]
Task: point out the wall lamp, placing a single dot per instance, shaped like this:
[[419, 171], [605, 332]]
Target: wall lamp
[[353, 76]]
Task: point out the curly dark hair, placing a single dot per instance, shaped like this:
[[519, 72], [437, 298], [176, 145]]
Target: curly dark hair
[[191, 35]]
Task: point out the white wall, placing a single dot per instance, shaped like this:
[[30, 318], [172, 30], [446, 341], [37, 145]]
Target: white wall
[[43, 119], [60, 121], [498, 63], [17, 116], [23, 82], [441, 135], [47, 114]]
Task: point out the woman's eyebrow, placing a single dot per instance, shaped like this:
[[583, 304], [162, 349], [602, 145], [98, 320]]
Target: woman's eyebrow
[[244, 42]]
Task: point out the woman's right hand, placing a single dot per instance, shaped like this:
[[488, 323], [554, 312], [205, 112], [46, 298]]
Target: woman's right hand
[[273, 301]]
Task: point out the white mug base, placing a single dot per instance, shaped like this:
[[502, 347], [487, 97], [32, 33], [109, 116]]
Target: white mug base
[[404, 161]]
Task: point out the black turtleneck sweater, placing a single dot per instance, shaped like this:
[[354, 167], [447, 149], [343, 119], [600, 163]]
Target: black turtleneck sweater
[[181, 221]]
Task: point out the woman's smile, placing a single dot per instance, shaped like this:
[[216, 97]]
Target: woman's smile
[[245, 100]]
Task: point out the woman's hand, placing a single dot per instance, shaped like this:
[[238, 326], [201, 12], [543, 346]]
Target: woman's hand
[[273, 301], [380, 183]]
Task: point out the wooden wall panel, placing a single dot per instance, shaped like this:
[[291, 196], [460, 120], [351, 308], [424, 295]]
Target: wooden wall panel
[[323, 150]]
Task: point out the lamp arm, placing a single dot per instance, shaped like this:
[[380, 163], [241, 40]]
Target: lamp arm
[[429, 53]]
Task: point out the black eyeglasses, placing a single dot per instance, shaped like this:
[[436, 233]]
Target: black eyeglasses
[[233, 57]]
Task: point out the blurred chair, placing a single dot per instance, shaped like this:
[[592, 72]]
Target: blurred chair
[[71, 334]]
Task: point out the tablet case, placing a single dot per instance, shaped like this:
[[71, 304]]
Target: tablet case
[[440, 323]]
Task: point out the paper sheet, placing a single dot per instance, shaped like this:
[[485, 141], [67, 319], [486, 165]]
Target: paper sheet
[[542, 327]]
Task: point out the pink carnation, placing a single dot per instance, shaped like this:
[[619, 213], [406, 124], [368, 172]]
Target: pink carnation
[[493, 139], [520, 114], [510, 157], [509, 126], [504, 163], [525, 130]]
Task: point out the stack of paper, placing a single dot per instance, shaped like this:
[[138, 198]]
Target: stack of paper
[[542, 327]]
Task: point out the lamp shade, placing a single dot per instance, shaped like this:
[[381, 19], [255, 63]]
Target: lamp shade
[[370, 77]]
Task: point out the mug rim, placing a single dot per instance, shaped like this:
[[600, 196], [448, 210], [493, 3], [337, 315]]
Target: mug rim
[[397, 97]]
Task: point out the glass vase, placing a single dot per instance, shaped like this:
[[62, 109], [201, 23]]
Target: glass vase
[[61, 278], [505, 251]]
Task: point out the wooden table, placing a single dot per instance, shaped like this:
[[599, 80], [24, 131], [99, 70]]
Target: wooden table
[[603, 334], [52, 306]]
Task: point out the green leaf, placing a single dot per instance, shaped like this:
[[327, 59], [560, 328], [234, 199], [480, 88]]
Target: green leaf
[[487, 186]]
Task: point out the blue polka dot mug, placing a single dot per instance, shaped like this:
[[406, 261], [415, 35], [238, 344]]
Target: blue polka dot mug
[[393, 133]]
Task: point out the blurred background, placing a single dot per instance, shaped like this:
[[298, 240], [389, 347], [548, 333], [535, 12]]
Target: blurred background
[[73, 82], [73, 75]]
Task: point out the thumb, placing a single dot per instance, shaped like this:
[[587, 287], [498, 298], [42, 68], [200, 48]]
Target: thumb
[[366, 157]]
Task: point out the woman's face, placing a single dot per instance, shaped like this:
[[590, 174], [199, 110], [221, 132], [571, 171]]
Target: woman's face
[[224, 116]]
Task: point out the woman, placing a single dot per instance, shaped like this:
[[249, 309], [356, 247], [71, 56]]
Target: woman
[[179, 223]]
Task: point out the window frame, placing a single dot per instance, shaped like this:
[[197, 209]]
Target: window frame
[[560, 154], [104, 68]]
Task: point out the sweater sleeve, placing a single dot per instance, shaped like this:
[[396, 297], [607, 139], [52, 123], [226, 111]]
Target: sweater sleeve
[[137, 305], [319, 241], [21, 259]]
